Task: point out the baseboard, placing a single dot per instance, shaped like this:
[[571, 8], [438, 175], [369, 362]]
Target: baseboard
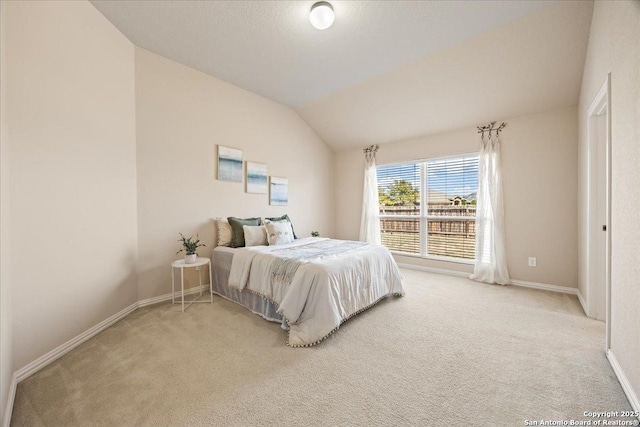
[[58, 352], [522, 283], [166, 297], [583, 303], [545, 287], [434, 270], [624, 381], [63, 349], [10, 399], [55, 354]]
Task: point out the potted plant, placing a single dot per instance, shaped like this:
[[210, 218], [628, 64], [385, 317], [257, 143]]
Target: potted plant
[[190, 246]]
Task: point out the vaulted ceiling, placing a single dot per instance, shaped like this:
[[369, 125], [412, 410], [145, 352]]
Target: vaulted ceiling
[[386, 70]]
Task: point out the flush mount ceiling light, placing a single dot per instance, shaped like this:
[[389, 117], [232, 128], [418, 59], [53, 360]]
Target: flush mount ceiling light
[[322, 15]]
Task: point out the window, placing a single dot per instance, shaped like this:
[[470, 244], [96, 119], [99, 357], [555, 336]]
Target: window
[[428, 208]]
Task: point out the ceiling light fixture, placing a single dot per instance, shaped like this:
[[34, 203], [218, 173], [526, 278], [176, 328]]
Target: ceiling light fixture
[[322, 15]]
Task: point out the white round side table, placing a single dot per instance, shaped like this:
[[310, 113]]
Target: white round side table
[[200, 261]]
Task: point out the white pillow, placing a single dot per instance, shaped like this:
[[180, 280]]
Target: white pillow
[[223, 232], [255, 235], [279, 232]]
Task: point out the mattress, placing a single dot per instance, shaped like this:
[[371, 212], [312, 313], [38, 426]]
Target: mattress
[[221, 260]]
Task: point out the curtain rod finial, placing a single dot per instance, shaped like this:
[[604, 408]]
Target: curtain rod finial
[[371, 149], [490, 128]]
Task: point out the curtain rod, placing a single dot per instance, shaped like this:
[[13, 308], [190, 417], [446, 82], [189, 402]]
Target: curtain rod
[[491, 127]]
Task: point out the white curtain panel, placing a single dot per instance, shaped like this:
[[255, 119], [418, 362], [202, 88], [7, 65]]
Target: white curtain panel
[[370, 221], [491, 255]]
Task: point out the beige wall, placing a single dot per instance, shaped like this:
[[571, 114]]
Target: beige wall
[[6, 331], [181, 116], [539, 159], [614, 46], [73, 187], [72, 183]]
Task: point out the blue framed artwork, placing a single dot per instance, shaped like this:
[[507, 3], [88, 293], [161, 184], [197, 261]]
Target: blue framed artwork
[[229, 164], [278, 191], [256, 178]]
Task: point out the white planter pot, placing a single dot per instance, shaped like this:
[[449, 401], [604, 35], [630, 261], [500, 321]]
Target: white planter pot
[[190, 259]]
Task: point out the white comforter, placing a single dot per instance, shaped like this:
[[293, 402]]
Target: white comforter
[[317, 283]]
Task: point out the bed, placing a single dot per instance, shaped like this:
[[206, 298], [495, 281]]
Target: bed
[[310, 286]]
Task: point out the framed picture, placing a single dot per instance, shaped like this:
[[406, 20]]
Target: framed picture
[[256, 178], [229, 164], [278, 191]]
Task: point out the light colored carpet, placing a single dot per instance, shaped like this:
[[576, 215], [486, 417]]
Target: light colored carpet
[[451, 352]]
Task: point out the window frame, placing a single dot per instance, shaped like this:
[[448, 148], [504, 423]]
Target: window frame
[[424, 218]]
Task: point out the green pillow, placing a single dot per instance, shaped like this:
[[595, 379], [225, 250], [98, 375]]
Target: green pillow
[[284, 217], [237, 232]]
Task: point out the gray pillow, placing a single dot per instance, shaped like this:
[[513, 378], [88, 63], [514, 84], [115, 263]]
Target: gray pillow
[[237, 232], [284, 217]]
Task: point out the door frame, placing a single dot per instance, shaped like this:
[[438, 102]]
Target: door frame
[[600, 105]]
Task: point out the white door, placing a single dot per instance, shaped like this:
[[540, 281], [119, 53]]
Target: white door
[[599, 210], [598, 289]]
